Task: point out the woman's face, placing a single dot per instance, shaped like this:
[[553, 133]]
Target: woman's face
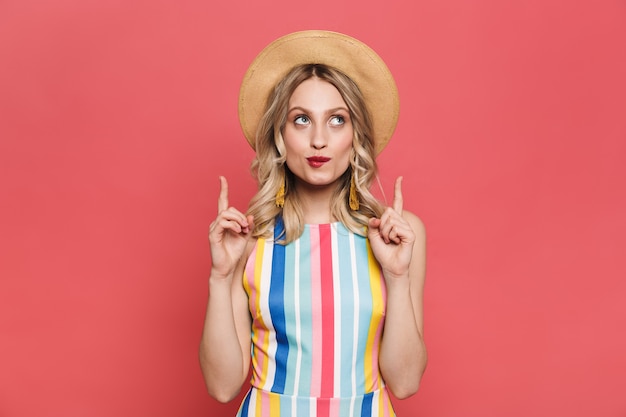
[[318, 134]]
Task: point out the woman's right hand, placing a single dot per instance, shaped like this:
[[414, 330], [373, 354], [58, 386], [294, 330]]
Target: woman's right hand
[[228, 235]]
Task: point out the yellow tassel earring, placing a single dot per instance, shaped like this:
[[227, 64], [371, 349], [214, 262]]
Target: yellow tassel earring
[[280, 196], [354, 197]]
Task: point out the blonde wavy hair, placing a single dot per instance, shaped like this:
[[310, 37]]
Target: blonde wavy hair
[[271, 171]]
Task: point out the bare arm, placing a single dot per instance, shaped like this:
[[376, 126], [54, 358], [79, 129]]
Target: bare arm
[[398, 239], [225, 345], [403, 352]]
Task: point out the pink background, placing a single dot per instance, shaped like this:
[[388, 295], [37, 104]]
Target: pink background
[[116, 118]]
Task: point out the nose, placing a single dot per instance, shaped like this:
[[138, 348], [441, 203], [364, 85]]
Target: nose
[[319, 138]]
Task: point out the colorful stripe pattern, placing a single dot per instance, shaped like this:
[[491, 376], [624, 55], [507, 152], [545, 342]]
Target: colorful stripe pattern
[[318, 308]]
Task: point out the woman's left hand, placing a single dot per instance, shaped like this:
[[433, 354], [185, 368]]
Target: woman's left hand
[[392, 238]]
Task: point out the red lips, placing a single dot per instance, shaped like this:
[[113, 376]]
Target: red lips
[[317, 161]]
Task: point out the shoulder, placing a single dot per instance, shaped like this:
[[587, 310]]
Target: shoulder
[[416, 224], [243, 261], [249, 248]]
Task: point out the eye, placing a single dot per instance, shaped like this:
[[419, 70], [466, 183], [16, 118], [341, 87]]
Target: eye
[[301, 120], [337, 120]]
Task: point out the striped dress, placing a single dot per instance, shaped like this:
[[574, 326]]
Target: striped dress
[[318, 310]]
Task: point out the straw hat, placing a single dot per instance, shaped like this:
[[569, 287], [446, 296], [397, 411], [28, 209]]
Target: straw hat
[[349, 55]]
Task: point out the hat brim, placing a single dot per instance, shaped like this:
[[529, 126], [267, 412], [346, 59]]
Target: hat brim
[[349, 55]]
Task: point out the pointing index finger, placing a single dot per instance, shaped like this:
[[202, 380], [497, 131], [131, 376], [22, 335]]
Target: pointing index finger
[[222, 201], [397, 196]]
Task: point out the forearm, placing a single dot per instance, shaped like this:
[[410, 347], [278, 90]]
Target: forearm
[[402, 357], [221, 356]]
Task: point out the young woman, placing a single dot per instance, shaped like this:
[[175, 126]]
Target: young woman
[[317, 285]]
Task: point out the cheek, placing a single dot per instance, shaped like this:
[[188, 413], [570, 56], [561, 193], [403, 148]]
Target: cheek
[[289, 140], [345, 149], [293, 148], [346, 141]]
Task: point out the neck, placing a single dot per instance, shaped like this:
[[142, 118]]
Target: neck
[[316, 203]]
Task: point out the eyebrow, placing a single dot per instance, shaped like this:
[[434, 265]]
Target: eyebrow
[[329, 111]]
